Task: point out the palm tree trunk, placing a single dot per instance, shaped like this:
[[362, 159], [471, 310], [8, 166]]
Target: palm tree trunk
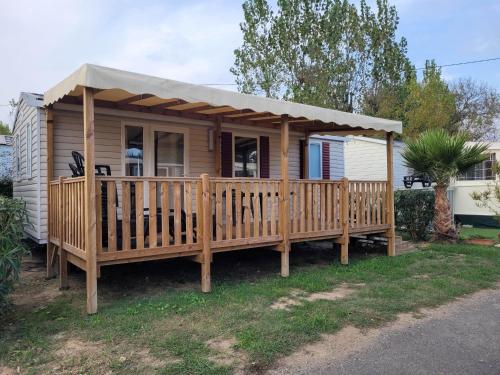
[[444, 225]]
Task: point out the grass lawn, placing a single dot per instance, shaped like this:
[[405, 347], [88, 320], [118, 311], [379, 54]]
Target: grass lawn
[[152, 319], [468, 233]]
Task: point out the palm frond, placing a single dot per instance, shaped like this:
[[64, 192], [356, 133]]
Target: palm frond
[[442, 156]]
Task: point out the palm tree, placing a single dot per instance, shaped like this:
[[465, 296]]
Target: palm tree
[[441, 157]]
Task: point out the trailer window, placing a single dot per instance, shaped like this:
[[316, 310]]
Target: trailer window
[[481, 171]]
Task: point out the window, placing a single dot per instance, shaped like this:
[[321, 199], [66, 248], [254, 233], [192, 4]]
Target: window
[[29, 159], [481, 171], [18, 157], [315, 165], [245, 157], [169, 154], [134, 151]]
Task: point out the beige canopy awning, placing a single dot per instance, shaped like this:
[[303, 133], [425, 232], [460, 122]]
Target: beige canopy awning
[[128, 90]]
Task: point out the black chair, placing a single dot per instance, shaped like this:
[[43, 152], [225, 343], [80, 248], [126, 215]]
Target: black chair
[[74, 170], [78, 170], [171, 224], [101, 169]]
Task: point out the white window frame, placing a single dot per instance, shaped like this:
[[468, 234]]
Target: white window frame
[[18, 157], [245, 135], [481, 165], [29, 151], [320, 160], [148, 144], [169, 129]]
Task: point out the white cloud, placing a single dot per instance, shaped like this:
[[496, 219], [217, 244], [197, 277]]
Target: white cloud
[[179, 40]]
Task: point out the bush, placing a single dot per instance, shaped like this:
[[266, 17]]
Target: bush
[[414, 212], [13, 217], [6, 187]]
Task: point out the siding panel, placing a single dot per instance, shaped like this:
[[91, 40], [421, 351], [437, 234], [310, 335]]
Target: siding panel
[[24, 186], [68, 136]]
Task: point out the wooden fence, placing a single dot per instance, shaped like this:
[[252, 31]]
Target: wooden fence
[[315, 208], [367, 204], [66, 214], [145, 217], [244, 211]]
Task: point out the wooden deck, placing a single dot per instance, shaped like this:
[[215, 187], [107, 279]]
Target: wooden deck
[[147, 218]]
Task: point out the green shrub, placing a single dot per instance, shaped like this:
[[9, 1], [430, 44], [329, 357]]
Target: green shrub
[[13, 217], [414, 212]]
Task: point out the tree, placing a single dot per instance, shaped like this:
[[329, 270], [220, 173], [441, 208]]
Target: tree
[[320, 52], [464, 105], [442, 156], [477, 106], [4, 129], [429, 104]]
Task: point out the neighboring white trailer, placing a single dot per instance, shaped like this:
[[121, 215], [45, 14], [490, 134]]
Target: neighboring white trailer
[[357, 158]]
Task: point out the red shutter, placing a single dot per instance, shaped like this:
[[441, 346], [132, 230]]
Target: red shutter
[[264, 156], [226, 149], [301, 158], [326, 160]]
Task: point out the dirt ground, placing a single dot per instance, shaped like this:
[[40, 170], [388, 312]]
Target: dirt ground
[[74, 354], [457, 338]]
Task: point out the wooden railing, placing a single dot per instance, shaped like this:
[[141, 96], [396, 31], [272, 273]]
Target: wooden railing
[[73, 214], [54, 214], [139, 216], [315, 208], [145, 217], [66, 214], [367, 204], [244, 210]]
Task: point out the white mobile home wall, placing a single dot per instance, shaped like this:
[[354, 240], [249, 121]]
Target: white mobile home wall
[[68, 137], [362, 158], [28, 137]]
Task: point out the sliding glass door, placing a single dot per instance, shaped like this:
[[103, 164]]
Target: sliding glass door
[[168, 158]]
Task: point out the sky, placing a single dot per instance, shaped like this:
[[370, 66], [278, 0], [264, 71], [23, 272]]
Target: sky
[[42, 42]]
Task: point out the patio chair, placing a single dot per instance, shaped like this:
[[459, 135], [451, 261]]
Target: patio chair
[[74, 170], [171, 223], [101, 169]]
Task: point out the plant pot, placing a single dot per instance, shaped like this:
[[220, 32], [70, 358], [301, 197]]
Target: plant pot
[[480, 241]]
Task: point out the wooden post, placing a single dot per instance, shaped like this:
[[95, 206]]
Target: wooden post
[[344, 219], [285, 198], [90, 199], [217, 148], [49, 118], [206, 234], [391, 234], [63, 256], [306, 156]]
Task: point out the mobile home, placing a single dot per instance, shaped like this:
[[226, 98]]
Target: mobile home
[[135, 168]]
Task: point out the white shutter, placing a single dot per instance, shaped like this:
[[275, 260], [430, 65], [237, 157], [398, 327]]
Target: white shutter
[[29, 159]]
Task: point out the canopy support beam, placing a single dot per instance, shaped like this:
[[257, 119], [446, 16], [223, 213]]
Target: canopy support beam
[[90, 199], [285, 198], [391, 233]]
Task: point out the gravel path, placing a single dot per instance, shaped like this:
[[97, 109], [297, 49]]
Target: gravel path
[[462, 337]]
